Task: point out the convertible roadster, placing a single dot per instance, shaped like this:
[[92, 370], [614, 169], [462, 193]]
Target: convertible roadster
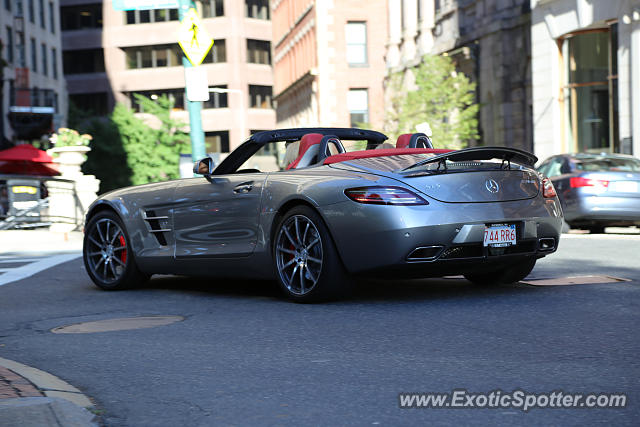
[[325, 214]]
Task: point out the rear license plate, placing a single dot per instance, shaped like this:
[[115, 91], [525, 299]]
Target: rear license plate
[[624, 186], [499, 235]]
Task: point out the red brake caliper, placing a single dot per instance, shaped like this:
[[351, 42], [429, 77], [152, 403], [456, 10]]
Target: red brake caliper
[[123, 253]]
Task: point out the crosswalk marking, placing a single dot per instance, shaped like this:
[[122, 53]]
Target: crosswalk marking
[[34, 266]]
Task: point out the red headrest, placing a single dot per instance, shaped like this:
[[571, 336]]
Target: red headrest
[[404, 140], [308, 140]]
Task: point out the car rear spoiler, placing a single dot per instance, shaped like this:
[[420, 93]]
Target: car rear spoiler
[[481, 153]]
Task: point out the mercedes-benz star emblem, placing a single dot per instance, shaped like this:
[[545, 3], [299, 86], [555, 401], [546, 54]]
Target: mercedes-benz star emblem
[[492, 186]]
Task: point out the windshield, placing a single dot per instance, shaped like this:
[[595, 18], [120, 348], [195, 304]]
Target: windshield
[[607, 164]]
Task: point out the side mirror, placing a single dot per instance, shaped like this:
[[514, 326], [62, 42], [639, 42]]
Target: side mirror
[[203, 166]]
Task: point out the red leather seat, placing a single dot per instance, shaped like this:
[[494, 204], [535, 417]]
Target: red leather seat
[[308, 150], [413, 140], [403, 140]]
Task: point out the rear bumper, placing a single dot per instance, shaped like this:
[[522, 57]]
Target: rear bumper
[[451, 233], [613, 210]]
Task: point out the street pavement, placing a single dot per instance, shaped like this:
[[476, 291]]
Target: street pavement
[[239, 355]]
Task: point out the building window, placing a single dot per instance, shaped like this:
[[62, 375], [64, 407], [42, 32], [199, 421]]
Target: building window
[[7, 5], [176, 95], [358, 104], [153, 56], [217, 142], [81, 17], [590, 90], [258, 52], [257, 9], [83, 61], [19, 10], [150, 16], [212, 8], [216, 99], [31, 11], [260, 96], [54, 62], [52, 18], [34, 56], [42, 19], [94, 103], [9, 46], [21, 58], [356, 37], [45, 62], [217, 53]]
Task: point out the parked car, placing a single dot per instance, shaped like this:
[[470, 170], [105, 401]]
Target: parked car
[[407, 211], [596, 190]]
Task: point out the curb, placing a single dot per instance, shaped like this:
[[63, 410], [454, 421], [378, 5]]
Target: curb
[[63, 404]]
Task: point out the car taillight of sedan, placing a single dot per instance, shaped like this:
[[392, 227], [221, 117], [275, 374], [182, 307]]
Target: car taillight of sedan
[[578, 182]]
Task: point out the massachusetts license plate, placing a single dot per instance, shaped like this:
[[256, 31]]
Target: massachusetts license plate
[[499, 235]]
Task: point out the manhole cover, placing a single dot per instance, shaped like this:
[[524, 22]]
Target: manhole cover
[[577, 280], [122, 324]]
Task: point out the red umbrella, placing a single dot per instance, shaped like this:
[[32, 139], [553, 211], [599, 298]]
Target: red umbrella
[[27, 160]]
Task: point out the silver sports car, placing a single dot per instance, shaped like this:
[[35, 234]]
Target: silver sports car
[[324, 214]]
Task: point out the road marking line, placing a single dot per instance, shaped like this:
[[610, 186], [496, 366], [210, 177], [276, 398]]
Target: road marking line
[[18, 259], [29, 270]]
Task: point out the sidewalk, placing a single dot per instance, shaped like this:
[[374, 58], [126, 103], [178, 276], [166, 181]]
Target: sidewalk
[[33, 398], [40, 241]]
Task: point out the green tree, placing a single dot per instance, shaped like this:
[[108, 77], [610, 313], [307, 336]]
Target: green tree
[[441, 97], [153, 153]]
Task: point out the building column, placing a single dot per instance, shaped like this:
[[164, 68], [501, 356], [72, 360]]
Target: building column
[[395, 33], [427, 22], [410, 29]]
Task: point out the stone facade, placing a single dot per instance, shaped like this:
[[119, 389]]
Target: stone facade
[[490, 42]]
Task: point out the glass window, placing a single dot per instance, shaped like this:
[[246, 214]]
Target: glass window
[[7, 5], [607, 164], [81, 17], [34, 59], [217, 141], [19, 10], [95, 103], [45, 63], [83, 61], [217, 53], [590, 91], [212, 8], [356, 37], [41, 10], [358, 104], [9, 46], [216, 99], [54, 62], [31, 11], [260, 96], [148, 16], [257, 9], [176, 95], [153, 56], [52, 17], [258, 52]]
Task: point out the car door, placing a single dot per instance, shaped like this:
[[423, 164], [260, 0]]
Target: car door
[[217, 218]]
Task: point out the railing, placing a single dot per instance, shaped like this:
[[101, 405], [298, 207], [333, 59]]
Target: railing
[[38, 201]]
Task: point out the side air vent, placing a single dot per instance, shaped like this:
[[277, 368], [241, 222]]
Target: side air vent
[[154, 223]]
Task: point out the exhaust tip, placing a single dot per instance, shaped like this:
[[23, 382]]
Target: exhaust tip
[[424, 253], [547, 244]]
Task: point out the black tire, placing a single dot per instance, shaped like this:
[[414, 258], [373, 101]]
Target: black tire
[[306, 262], [107, 256], [511, 274]]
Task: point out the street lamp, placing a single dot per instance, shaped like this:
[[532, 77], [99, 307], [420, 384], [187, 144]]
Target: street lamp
[[243, 129]]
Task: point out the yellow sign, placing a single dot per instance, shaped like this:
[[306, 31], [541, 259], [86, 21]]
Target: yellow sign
[[193, 38], [24, 189]]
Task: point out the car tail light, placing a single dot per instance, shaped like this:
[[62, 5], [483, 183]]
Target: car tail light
[[578, 182], [547, 188], [384, 196]]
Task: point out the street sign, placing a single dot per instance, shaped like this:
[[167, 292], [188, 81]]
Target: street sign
[[193, 37], [145, 4], [196, 84]]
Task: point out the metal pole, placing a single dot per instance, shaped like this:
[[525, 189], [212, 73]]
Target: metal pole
[[194, 107]]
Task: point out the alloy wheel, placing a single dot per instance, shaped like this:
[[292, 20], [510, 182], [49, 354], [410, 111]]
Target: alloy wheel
[[299, 254], [106, 250]]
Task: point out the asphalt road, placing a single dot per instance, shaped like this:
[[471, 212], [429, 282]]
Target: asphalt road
[[242, 356]]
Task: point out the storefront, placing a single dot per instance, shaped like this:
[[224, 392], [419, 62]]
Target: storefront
[[586, 76]]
